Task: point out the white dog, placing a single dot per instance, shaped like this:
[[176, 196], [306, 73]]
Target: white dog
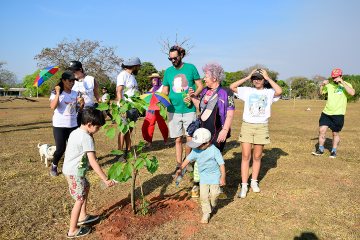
[[46, 150]]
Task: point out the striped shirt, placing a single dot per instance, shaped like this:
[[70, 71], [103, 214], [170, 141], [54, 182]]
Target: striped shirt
[[208, 162]]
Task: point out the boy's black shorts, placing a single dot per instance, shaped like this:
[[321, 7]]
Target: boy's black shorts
[[335, 122]]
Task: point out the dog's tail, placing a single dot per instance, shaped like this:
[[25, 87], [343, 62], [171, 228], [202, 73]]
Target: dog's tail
[[38, 145]]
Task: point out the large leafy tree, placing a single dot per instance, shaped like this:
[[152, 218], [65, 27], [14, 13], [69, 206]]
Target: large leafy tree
[[284, 87], [144, 83], [97, 60], [7, 78], [354, 80], [45, 88]]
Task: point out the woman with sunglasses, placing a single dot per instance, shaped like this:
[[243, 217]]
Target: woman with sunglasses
[[63, 101], [254, 129]]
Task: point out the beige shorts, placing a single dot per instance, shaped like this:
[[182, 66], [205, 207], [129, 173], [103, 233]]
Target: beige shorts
[[256, 133]]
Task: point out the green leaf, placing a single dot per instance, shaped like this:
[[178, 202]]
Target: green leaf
[[124, 108], [110, 133], [138, 106], [139, 164], [144, 155], [140, 146], [103, 106], [120, 127], [117, 152], [125, 129], [129, 155], [148, 163], [105, 125], [127, 171], [29, 160], [154, 165], [115, 170], [163, 112], [118, 119], [132, 124]]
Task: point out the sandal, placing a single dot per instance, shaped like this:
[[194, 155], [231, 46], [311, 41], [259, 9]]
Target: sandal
[[82, 232], [88, 219], [148, 145]]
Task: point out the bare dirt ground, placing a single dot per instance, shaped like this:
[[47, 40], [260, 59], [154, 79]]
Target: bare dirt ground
[[302, 196]]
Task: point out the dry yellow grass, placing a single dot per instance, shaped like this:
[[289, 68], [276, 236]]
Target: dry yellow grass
[[300, 193]]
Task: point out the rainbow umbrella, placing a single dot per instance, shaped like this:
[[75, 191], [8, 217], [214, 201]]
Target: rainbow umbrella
[[45, 75], [159, 96]]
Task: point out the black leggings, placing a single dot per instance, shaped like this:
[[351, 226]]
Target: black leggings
[[61, 135]]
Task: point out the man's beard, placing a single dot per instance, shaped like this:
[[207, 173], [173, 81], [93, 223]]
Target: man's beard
[[135, 72], [176, 63]]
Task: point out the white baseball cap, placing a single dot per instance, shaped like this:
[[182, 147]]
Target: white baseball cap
[[201, 136]]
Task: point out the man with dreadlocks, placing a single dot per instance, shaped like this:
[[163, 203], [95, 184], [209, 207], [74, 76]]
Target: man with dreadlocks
[[177, 81]]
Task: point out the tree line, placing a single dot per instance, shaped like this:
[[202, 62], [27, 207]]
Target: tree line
[[101, 62]]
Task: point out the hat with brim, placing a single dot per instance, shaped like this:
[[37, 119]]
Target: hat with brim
[[155, 75], [134, 61], [68, 75], [74, 65], [257, 74], [200, 136]]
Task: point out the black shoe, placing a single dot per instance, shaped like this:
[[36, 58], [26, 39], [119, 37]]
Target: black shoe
[[122, 158], [333, 154], [174, 173], [318, 152]]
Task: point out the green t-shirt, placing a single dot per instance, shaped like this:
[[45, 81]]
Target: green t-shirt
[[179, 80], [337, 98]]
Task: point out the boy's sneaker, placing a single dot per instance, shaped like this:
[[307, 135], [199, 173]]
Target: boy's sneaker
[[205, 218], [333, 154], [222, 195], [195, 192], [53, 171], [243, 192], [254, 186], [318, 152]]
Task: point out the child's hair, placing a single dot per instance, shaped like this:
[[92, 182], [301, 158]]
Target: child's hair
[[61, 85], [93, 116]]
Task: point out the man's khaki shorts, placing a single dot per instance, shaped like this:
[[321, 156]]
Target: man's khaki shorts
[[256, 133]]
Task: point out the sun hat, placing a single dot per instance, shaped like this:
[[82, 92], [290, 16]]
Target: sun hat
[[154, 75], [133, 62], [68, 75], [201, 136], [104, 88], [257, 74], [74, 65], [336, 72]]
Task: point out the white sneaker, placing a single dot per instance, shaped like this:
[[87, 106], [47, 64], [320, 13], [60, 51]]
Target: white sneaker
[[243, 191], [205, 218], [254, 186]]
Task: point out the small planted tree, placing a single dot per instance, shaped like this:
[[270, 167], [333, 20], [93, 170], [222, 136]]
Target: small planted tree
[[136, 160]]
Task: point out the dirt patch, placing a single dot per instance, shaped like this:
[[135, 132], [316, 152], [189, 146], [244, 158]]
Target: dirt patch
[[121, 223]]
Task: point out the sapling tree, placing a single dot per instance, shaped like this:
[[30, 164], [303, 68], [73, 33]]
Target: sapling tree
[[136, 160]]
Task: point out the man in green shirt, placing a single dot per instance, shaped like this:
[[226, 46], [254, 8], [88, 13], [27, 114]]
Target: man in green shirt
[[176, 83], [334, 111]]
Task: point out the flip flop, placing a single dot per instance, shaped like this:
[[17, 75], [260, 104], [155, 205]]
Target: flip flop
[[82, 232], [88, 219], [147, 146]]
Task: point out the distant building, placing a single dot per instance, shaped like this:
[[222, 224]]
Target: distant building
[[12, 92]]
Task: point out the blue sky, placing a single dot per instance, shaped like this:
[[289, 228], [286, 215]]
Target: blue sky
[[291, 37]]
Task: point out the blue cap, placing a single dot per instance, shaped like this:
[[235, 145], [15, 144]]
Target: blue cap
[[133, 62]]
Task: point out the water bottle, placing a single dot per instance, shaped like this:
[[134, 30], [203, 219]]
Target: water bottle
[[104, 186], [180, 178], [184, 95]]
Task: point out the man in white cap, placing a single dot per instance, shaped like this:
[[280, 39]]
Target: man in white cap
[[126, 84], [209, 159]]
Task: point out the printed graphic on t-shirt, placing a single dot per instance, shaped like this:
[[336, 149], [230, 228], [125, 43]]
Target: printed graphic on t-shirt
[[70, 108], [84, 90], [231, 102], [257, 105], [180, 83], [339, 90]]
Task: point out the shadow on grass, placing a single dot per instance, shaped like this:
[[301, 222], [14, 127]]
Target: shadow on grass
[[233, 172], [307, 236], [22, 125], [327, 145]]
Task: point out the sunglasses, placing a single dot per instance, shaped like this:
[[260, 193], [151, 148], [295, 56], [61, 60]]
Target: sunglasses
[[174, 58]]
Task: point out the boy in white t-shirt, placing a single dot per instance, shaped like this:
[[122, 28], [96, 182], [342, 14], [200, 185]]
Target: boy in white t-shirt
[[254, 129], [80, 151]]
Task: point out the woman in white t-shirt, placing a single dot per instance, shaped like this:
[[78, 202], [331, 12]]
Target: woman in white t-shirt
[[153, 116], [86, 86], [254, 129], [63, 101]]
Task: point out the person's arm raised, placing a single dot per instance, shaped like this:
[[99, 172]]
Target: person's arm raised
[[274, 85], [233, 87]]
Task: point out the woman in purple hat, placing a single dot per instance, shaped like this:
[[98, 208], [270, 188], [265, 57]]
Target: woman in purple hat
[[153, 116]]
